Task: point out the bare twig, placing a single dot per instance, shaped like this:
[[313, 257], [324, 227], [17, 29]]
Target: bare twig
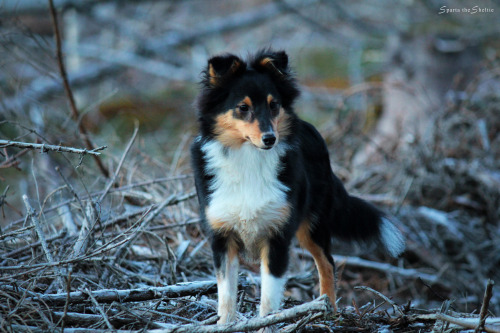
[[127, 149], [113, 190], [69, 93], [68, 290], [44, 147], [484, 308], [38, 228], [13, 161], [172, 200], [81, 244], [470, 323], [100, 309], [16, 232], [35, 267], [385, 298]]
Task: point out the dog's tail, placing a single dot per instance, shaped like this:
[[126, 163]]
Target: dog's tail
[[359, 220]]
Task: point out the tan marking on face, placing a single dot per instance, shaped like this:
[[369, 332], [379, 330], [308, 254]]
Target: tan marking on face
[[269, 99], [247, 101], [266, 61], [282, 124], [232, 132], [213, 75], [325, 269]]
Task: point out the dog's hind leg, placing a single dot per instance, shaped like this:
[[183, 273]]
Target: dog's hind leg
[[322, 258], [226, 261]]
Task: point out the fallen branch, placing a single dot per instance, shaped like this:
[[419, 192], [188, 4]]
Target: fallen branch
[[320, 305], [45, 147], [379, 266], [129, 295], [99, 308], [472, 323], [387, 268]]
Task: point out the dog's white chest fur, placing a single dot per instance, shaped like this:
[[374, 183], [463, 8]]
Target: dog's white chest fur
[[247, 196]]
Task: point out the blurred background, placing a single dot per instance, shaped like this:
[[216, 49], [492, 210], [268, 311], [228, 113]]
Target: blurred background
[[406, 94]]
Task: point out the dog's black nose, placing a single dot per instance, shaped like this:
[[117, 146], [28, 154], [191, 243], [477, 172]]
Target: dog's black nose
[[269, 139]]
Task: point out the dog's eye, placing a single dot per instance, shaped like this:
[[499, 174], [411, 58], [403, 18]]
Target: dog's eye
[[244, 108], [274, 106]]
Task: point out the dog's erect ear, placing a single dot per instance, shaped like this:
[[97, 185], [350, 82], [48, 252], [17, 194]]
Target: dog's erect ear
[[275, 62], [222, 67]]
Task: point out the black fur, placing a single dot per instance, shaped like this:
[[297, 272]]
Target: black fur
[[316, 195]]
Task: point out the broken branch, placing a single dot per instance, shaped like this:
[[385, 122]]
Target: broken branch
[[45, 147]]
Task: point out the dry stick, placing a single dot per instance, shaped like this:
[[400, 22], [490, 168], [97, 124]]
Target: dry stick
[[37, 267], [30, 246], [69, 93], [81, 244], [320, 305], [38, 228], [172, 200], [379, 266], [387, 268], [488, 293], [12, 161], [100, 309], [126, 295], [45, 147], [469, 323], [118, 189], [127, 149], [16, 232], [83, 319], [41, 235], [385, 298], [68, 290], [301, 323]]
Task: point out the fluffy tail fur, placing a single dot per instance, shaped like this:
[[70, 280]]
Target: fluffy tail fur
[[361, 221]]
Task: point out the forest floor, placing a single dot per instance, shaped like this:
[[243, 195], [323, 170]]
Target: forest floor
[[125, 253]]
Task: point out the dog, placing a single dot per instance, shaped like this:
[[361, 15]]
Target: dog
[[263, 176]]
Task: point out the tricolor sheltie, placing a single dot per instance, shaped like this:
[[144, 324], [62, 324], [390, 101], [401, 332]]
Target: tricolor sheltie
[[263, 176]]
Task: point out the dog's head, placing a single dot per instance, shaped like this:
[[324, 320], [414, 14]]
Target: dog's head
[[247, 101]]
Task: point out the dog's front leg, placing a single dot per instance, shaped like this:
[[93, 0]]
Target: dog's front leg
[[226, 267], [274, 262]]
